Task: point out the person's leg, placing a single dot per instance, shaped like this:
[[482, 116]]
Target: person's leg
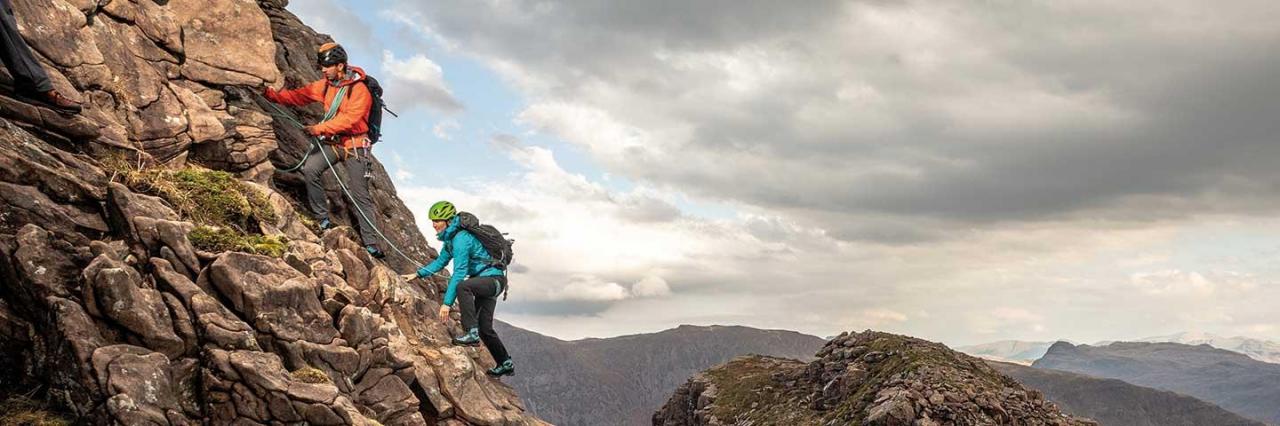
[[313, 175], [28, 75], [357, 166], [471, 292], [467, 303], [486, 306]]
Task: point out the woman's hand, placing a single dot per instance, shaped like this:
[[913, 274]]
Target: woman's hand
[[444, 313], [410, 277]]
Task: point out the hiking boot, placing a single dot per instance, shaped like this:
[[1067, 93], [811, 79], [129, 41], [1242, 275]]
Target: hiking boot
[[51, 99], [470, 339], [373, 251], [324, 224], [507, 368]]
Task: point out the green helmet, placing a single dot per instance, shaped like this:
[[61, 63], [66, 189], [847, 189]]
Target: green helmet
[[442, 210]]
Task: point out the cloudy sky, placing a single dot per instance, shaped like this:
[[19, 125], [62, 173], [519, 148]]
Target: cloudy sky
[[959, 171]]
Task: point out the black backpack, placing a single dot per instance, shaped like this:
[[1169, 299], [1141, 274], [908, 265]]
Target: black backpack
[[493, 240], [375, 110]]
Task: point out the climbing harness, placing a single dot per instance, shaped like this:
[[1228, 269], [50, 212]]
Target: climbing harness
[[317, 146]]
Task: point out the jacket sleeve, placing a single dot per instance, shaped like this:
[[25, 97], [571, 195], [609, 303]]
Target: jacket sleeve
[[313, 92], [463, 245], [436, 265], [354, 109]]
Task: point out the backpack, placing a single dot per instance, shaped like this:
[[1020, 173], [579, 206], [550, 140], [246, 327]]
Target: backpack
[[494, 241], [375, 110]]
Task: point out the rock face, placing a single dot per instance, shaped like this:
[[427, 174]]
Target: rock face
[[109, 312], [866, 378]]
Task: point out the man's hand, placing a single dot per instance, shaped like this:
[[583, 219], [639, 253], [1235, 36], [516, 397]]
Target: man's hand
[[269, 92], [410, 277], [444, 313], [313, 130]]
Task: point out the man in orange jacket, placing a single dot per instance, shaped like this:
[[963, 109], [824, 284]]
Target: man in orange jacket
[[345, 133]]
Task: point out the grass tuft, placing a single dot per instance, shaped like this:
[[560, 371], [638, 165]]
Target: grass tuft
[[310, 375], [23, 411], [219, 239]]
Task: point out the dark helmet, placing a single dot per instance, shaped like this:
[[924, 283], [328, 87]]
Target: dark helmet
[[331, 54]]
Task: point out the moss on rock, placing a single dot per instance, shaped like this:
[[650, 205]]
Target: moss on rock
[[310, 375], [219, 239], [206, 197]]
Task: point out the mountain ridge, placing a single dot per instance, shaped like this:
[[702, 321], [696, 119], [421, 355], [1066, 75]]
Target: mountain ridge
[[1231, 380], [563, 376]]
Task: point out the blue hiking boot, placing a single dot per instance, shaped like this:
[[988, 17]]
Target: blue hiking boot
[[506, 368], [324, 224], [472, 338], [373, 251]]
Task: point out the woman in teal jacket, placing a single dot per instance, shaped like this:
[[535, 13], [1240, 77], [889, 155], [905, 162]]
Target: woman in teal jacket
[[475, 284]]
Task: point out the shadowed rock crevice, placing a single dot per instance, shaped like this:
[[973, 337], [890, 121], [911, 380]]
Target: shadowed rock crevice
[[110, 313]]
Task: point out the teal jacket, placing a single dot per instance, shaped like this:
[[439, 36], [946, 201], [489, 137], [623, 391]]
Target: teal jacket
[[469, 259]]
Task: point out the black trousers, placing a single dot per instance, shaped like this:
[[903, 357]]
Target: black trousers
[[28, 76], [479, 297], [313, 172]]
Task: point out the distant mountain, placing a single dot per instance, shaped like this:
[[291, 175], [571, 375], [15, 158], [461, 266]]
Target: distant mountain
[[1115, 402], [867, 378], [1231, 380], [622, 380], [1261, 350], [1012, 351]]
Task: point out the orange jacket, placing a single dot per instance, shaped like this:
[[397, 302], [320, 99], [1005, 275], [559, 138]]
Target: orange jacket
[[350, 124]]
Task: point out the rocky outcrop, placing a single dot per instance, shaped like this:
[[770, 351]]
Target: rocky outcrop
[[869, 378], [113, 315]]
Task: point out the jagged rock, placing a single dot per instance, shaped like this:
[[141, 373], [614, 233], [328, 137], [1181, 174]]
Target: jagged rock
[[115, 291], [277, 299], [115, 317], [218, 325], [213, 29], [205, 123], [66, 177], [27, 204], [56, 30], [138, 383], [866, 378], [128, 74], [152, 19]]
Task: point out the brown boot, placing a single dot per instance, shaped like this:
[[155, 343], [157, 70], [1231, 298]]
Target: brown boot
[[51, 99], [61, 103]]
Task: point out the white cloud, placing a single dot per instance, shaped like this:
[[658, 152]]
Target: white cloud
[[444, 129], [651, 286], [417, 82], [1174, 281], [590, 289]]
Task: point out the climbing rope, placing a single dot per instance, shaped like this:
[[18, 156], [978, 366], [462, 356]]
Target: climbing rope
[[316, 146]]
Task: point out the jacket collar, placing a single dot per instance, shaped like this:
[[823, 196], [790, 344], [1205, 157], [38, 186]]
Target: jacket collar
[[449, 231], [354, 75]]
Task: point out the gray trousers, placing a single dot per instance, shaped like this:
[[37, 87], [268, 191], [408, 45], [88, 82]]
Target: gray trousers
[[356, 164], [28, 76]]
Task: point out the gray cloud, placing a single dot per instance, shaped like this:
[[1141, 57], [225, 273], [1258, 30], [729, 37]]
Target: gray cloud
[[898, 161], [914, 113]]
